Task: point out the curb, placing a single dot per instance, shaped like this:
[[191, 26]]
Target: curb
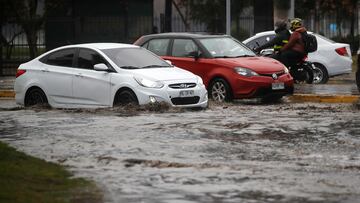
[[324, 98], [7, 94]]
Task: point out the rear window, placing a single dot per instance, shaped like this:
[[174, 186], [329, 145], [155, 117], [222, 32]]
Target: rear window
[[324, 38], [62, 57]]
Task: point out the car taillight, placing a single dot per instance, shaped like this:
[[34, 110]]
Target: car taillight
[[342, 51], [20, 72]]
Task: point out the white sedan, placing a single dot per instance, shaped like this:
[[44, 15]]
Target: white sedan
[[330, 59], [105, 75]]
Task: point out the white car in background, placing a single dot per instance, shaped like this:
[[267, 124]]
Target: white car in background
[[330, 59], [105, 75]]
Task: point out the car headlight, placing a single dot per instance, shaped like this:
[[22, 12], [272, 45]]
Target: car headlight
[[286, 70], [245, 72], [199, 80], [148, 83]]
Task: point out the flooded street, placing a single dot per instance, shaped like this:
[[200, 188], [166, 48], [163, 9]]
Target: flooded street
[[237, 152]]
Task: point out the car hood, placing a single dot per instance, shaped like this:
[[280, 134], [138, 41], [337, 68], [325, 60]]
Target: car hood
[[165, 74], [262, 65]]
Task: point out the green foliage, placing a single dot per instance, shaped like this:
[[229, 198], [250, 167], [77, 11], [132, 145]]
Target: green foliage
[[28, 179]]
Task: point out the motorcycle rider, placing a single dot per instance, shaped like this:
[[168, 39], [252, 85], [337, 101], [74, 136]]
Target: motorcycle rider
[[281, 38], [294, 51]]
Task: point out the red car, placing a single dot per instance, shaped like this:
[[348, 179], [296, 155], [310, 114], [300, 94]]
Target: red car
[[228, 68]]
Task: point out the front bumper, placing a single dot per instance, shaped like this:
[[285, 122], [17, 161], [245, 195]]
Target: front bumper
[[261, 86], [172, 96]]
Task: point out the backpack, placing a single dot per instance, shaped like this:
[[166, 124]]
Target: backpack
[[310, 42]]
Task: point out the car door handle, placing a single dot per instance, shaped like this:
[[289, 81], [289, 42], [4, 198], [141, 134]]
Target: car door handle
[[79, 75], [45, 70]]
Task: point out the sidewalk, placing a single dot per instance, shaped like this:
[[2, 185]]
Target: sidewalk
[[340, 89], [7, 87]]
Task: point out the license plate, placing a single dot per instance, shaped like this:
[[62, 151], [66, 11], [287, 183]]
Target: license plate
[[278, 86], [186, 93]]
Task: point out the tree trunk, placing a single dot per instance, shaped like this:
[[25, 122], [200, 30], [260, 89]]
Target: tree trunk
[[31, 37]]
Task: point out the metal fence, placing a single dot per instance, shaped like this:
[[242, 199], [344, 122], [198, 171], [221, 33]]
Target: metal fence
[[14, 48]]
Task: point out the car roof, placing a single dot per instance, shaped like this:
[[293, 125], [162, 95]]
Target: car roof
[[100, 45], [185, 34], [259, 34]]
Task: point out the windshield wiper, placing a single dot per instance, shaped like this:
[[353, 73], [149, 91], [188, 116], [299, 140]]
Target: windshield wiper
[[155, 66], [245, 55], [233, 56], [129, 67], [223, 57]]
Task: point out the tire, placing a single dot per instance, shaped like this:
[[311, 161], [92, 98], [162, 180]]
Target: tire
[[35, 96], [321, 75], [309, 72], [219, 90], [125, 97]]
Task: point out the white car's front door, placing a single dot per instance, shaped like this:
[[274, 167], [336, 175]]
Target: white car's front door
[[91, 87]]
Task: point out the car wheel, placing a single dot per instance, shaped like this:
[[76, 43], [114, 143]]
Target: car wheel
[[219, 90], [124, 97], [321, 75], [35, 96]]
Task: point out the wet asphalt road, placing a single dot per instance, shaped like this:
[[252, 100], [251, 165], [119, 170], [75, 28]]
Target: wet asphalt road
[[239, 152]]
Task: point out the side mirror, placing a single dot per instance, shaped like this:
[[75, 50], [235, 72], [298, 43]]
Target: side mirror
[[267, 52], [195, 54], [169, 62], [101, 67]]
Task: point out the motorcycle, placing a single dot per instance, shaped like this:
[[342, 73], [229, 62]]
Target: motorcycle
[[302, 72]]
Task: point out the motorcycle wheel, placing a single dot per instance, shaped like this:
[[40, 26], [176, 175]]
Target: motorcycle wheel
[[309, 74]]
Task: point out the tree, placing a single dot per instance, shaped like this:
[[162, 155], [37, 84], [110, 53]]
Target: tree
[[344, 10], [30, 19], [30, 15], [211, 12]]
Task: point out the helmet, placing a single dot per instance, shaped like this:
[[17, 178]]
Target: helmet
[[295, 23], [280, 25]]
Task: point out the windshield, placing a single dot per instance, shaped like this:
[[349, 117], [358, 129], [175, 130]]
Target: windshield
[[135, 58], [226, 47]]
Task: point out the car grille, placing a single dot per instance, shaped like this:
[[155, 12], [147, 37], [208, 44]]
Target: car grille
[[278, 74], [182, 85], [185, 100]]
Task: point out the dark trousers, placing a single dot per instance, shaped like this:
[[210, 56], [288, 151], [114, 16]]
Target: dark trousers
[[291, 57]]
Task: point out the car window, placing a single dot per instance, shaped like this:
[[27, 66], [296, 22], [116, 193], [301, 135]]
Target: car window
[[135, 58], [158, 46], [260, 41], [88, 58], [324, 38], [183, 47], [60, 58]]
